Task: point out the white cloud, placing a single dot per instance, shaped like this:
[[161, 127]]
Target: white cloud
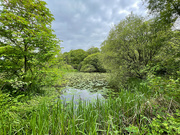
[[135, 5], [124, 12]]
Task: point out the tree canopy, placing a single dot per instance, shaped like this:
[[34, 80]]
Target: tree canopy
[[93, 50], [27, 39], [131, 46], [92, 63], [75, 57], [167, 10]]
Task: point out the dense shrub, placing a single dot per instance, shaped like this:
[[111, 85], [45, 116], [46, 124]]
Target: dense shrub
[[165, 85], [166, 125]]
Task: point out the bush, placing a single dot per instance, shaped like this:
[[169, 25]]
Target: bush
[[32, 84], [168, 125], [159, 126], [162, 85]]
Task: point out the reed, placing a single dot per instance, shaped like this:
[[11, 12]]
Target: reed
[[110, 116]]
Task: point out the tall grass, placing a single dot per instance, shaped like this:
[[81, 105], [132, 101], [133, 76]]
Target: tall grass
[[110, 116]]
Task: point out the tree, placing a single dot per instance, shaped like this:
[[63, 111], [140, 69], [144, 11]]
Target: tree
[[167, 10], [92, 63], [167, 61], [130, 47], [27, 40], [66, 57], [93, 50], [76, 57]]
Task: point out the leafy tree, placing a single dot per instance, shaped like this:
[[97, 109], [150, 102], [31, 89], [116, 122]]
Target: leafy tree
[[92, 63], [93, 50], [27, 40], [131, 46], [75, 57], [167, 61], [66, 57], [167, 10]]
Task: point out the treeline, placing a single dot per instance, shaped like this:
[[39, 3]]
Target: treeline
[[136, 48], [84, 61]]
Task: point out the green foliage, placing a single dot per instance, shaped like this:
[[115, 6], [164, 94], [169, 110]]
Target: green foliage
[[132, 129], [92, 63], [167, 61], [129, 112], [93, 50], [166, 125], [131, 46], [159, 125], [30, 62], [48, 77], [61, 64], [62, 118], [66, 57], [28, 42], [84, 61], [17, 84], [8, 110], [162, 85], [5, 102], [89, 81], [88, 68], [167, 10], [75, 57]]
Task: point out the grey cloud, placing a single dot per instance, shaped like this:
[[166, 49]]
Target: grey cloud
[[85, 23]]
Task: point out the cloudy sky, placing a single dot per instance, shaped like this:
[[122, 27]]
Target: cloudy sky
[[82, 24]]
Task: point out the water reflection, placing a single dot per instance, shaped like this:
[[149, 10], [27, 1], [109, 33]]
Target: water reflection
[[69, 93]]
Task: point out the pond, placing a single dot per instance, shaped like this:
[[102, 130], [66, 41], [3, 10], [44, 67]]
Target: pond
[[70, 93], [86, 86]]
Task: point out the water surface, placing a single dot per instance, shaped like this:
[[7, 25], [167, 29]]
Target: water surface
[[85, 95]]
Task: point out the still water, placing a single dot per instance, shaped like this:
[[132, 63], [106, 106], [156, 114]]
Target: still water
[[70, 93]]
